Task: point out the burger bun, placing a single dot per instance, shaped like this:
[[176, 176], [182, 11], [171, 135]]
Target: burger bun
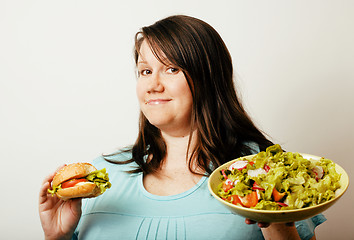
[[71, 171], [80, 190]]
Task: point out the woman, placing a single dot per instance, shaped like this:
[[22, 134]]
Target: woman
[[191, 122]]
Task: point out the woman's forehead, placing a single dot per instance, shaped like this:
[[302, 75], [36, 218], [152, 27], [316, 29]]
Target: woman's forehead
[[147, 48]]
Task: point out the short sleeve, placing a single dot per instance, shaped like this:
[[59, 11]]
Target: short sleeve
[[306, 228]]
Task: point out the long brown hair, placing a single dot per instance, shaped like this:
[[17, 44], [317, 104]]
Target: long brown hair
[[223, 126]]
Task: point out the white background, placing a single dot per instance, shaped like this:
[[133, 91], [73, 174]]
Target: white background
[[67, 86]]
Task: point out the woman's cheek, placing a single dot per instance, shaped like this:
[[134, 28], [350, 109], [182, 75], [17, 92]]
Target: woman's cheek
[[140, 92]]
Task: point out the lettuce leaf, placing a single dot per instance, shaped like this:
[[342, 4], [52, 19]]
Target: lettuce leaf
[[54, 190], [267, 205], [100, 178]]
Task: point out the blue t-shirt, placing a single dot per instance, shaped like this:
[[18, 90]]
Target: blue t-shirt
[[128, 211]]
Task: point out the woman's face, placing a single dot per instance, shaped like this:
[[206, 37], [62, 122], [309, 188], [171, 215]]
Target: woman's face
[[163, 93]]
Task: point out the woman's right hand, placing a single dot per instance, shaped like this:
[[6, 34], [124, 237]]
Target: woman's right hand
[[58, 218]]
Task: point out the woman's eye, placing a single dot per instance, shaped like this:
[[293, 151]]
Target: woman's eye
[[172, 70], [144, 72]]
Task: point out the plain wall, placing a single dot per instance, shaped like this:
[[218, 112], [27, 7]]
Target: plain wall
[[67, 86]]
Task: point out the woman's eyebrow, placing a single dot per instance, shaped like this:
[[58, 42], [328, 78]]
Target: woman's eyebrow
[[142, 62]]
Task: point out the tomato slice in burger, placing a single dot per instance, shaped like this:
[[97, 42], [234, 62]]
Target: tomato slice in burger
[[72, 182]]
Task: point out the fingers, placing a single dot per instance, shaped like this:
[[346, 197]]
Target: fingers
[[260, 224], [265, 225], [43, 193], [50, 177], [249, 221], [60, 167], [76, 204]]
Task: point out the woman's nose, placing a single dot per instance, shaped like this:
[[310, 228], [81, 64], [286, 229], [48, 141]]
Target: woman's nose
[[155, 84]]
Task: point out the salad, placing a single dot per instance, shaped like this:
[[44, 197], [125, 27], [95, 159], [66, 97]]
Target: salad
[[278, 180]]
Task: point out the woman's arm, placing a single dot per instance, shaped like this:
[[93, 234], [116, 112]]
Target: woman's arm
[[280, 231]]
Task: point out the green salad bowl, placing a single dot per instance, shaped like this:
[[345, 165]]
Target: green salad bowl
[[269, 216]]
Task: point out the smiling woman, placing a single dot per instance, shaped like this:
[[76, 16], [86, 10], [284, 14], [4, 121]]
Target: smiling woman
[[163, 93], [191, 122]]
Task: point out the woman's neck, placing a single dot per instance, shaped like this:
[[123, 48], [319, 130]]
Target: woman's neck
[[174, 176], [179, 150]]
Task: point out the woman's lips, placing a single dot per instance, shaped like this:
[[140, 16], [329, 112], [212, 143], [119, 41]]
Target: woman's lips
[[157, 101]]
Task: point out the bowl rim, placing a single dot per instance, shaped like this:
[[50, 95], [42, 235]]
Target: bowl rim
[[343, 173]]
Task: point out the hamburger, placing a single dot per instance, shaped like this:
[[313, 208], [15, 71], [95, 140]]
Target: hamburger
[[79, 180]]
